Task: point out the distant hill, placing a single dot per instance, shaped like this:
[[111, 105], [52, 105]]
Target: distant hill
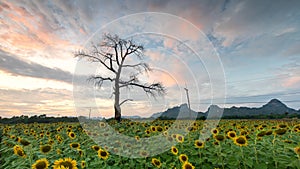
[[178, 112], [273, 107], [131, 117]]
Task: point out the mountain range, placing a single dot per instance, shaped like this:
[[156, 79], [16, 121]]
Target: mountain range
[[273, 107]]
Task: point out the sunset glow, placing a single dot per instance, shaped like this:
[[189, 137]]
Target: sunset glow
[[257, 43]]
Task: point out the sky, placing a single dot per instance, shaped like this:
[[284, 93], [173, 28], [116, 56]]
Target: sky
[[226, 52]]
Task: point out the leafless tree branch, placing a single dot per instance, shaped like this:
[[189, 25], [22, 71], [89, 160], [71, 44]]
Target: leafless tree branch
[[111, 53], [98, 80], [125, 101]]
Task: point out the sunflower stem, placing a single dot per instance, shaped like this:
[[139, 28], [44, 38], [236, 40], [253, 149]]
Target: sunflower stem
[[255, 150], [199, 151], [145, 162], [220, 151], [274, 153], [30, 156], [243, 157]]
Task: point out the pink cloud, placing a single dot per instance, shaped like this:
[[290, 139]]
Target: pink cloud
[[292, 82], [173, 75], [28, 33]]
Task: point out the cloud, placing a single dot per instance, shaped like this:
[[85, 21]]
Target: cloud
[[291, 71], [292, 82], [19, 67], [254, 38], [248, 19], [39, 101], [35, 29]]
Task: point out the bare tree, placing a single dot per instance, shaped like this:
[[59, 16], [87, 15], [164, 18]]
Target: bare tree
[[111, 53]]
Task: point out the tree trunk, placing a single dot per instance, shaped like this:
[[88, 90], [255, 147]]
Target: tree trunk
[[117, 97], [117, 102], [117, 113]]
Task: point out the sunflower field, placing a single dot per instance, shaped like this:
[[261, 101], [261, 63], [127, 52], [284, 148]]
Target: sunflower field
[[236, 144]]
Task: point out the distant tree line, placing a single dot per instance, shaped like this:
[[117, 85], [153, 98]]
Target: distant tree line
[[38, 119], [44, 119]]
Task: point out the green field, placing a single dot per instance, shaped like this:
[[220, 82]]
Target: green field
[[230, 144]]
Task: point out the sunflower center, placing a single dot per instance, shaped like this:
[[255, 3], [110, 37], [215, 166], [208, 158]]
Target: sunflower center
[[183, 158], [157, 163], [220, 137], [232, 135], [241, 141], [41, 165], [20, 152], [66, 164], [96, 148], [103, 153], [75, 145], [188, 166], [46, 149]]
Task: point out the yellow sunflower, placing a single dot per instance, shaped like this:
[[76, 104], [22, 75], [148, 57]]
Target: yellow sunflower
[[137, 138], [83, 164], [147, 131], [280, 131], [48, 133], [187, 165], [26, 132], [18, 139], [183, 158], [80, 152], [159, 128], [241, 141], [219, 137], [45, 148], [95, 147], [59, 138], [153, 128], [75, 145], [156, 162], [103, 154], [66, 163], [231, 134], [102, 124], [41, 164], [18, 150], [179, 138], [215, 131], [297, 150], [174, 150], [165, 133], [72, 135], [199, 144], [282, 126]]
